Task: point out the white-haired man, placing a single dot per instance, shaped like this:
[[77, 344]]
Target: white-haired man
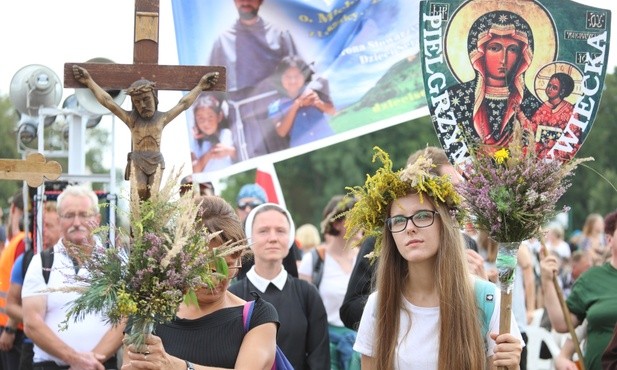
[[90, 344]]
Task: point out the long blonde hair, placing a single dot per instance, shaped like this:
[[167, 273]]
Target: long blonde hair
[[461, 344]]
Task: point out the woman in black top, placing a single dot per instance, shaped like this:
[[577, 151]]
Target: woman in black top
[[303, 335], [211, 334]]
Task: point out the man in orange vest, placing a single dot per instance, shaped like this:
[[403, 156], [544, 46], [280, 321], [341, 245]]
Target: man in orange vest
[[11, 336]]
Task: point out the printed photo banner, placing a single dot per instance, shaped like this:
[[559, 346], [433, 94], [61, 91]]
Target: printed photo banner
[[488, 63], [336, 70]]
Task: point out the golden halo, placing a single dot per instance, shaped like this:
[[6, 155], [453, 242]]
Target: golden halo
[[545, 73], [538, 18]]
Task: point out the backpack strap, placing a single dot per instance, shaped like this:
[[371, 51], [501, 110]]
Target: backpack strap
[[318, 254], [247, 312], [47, 259], [25, 262], [485, 297], [301, 293]]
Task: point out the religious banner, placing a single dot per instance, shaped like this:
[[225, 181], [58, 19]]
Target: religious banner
[[301, 74], [488, 64]]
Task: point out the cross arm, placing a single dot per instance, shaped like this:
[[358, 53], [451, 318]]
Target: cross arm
[[34, 169], [112, 76]]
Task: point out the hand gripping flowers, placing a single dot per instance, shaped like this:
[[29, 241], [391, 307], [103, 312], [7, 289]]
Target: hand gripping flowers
[[370, 211]]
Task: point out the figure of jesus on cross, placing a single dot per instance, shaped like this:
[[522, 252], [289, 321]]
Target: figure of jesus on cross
[[145, 122]]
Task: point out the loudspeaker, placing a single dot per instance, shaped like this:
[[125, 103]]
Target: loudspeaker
[[35, 86], [86, 98], [27, 129], [72, 103]]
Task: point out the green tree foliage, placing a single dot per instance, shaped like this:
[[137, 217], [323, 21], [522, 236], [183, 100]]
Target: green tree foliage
[[310, 180], [8, 147], [233, 185], [593, 187]]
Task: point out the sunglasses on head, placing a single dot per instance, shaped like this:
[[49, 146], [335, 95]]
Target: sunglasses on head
[[252, 204]]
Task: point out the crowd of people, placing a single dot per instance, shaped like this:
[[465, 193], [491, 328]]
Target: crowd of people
[[352, 300], [323, 300], [423, 281]]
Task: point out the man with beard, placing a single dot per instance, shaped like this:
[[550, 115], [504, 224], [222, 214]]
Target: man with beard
[[92, 343], [251, 49], [145, 122]]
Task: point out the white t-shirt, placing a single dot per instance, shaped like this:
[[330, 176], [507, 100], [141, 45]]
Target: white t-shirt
[[422, 336], [82, 335], [333, 285]]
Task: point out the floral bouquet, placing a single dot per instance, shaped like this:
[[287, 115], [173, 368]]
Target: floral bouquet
[[160, 265], [511, 193]]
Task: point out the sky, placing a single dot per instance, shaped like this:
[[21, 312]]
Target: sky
[[52, 33]]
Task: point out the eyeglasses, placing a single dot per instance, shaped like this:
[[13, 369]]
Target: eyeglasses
[[72, 215], [237, 266], [420, 219], [252, 204]]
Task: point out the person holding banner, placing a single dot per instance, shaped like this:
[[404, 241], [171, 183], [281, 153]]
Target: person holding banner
[[426, 312], [593, 297], [251, 49], [301, 112], [500, 46], [215, 148]]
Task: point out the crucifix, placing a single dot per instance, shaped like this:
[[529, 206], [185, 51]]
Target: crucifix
[[144, 121]]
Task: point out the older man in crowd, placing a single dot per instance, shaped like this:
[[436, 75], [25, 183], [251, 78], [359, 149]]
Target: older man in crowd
[[92, 343]]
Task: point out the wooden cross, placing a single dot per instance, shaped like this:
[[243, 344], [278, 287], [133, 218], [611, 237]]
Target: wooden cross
[[145, 61], [33, 170], [106, 76]]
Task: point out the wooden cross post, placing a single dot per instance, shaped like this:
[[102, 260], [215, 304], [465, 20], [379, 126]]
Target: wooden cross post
[[109, 76]]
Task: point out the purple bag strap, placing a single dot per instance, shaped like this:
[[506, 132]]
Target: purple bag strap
[[247, 312]]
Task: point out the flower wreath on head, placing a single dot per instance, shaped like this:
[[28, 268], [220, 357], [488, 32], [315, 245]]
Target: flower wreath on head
[[369, 213]]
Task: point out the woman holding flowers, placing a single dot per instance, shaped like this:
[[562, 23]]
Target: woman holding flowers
[[210, 335], [424, 313]]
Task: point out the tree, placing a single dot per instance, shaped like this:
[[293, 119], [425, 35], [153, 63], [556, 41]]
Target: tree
[[310, 180], [593, 187], [8, 147]]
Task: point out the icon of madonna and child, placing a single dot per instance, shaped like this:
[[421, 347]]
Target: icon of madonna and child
[[501, 49]]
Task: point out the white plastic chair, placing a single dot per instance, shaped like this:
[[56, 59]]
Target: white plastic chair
[[535, 336]]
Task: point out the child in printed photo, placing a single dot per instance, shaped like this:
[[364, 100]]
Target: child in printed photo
[[214, 149], [302, 112]]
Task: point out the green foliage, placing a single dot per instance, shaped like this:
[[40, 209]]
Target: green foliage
[[590, 193], [98, 142], [233, 184], [8, 147], [310, 180]]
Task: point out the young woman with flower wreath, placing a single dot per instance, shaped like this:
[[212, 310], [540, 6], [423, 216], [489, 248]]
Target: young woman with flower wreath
[[424, 313]]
